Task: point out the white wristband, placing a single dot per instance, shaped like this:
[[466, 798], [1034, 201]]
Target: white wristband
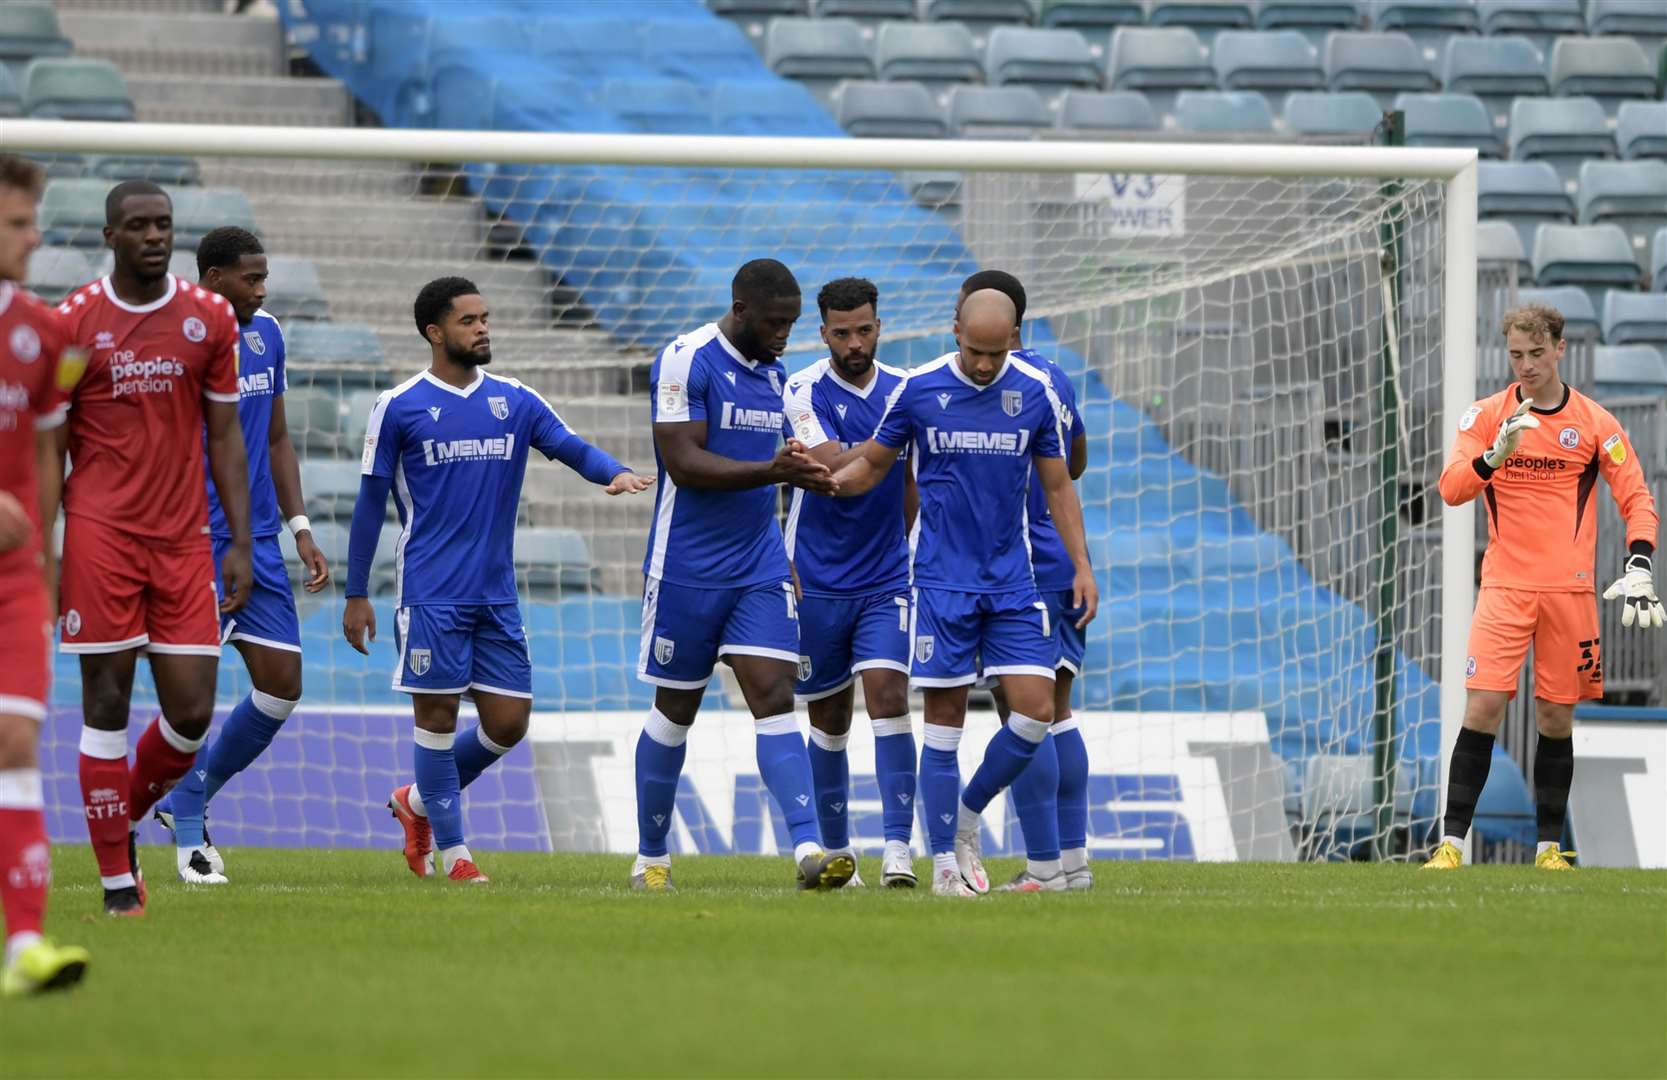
[[299, 524]]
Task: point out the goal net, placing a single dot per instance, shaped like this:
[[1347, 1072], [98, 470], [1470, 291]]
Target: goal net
[[1264, 340]]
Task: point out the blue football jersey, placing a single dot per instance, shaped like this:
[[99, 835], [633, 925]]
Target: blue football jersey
[[260, 378], [716, 539], [457, 459], [845, 547], [973, 447], [1047, 551]]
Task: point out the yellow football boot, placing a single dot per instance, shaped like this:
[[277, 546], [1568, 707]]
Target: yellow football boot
[[1552, 859], [1446, 857], [44, 966]]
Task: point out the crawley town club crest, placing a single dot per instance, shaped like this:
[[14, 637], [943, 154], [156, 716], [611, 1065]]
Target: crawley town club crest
[[1012, 401], [500, 407], [256, 343], [194, 329], [419, 662]]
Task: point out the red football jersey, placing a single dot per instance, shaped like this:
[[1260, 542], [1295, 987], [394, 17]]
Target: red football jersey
[[31, 400], [136, 416]]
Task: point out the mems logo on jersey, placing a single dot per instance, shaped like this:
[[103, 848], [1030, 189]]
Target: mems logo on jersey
[[939, 441], [435, 452]]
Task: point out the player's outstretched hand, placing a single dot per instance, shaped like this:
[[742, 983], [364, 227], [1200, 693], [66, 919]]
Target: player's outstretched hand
[[628, 483], [794, 465], [1637, 586], [318, 567], [1085, 597], [15, 525], [358, 623], [236, 578], [1510, 434]]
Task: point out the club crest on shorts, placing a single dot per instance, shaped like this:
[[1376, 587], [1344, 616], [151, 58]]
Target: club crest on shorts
[[1470, 667], [663, 650], [1012, 401], [804, 668], [499, 406], [194, 329], [72, 622], [924, 647], [1568, 438], [256, 343], [419, 662]]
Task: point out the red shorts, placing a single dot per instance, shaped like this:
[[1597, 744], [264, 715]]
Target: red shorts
[[118, 591], [26, 645], [1563, 627]]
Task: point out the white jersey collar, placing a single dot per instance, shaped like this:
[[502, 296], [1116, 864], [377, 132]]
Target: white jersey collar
[[955, 368], [140, 309], [480, 377]]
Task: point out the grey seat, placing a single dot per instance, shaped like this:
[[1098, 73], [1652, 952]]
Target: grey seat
[[554, 560], [731, 8], [1380, 64], [315, 342], [1542, 19], [1631, 194], [318, 421], [384, 568], [1315, 113], [1429, 23], [72, 213], [979, 16], [29, 29], [1337, 804], [1206, 18], [1240, 111], [293, 291], [863, 10], [71, 89], [890, 110], [1159, 62], [1449, 120], [1594, 257], [331, 487], [1641, 129], [1313, 19], [1116, 110], [976, 109], [1095, 20], [817, 49], [1266, 60], [11, 95], [55, 272], [1495, 70], [197, 210], [939, 54], [1634, 18], [1635, 318], [1609, 69], [1498, 242], [1563, 132], [1524, 194], [1580, 318], [1658, 261], [1049, 59], [1629, 369], [173, 170]]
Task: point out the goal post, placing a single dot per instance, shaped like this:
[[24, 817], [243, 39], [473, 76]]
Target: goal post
[[1270, 400]]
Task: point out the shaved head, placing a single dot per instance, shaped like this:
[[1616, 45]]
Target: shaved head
[[984, 330]]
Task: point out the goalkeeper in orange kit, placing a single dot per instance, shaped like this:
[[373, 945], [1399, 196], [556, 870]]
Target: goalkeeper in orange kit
[[1533, 452]]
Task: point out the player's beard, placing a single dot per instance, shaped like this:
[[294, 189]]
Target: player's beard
[[468, 357], [846, 367]]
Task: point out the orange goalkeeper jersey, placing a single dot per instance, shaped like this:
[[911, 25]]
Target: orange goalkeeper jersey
[[1542, 521]]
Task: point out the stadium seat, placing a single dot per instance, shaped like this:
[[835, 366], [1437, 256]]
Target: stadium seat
[[198, 209], [1607, 69], [1338, 808], [1046, 59], [1313, 19], [1117, 110], [1641, 129], [1274, 62], [978, 16], [732, 8], [1540, 21], [749, 107], [1631, 18], [1631, 318], [818, 52], [317, 420], [1629, 369], [1580, 318], [384, 573], [1241, 112], [313, 342], [293, 291], [980, 109], [1095, 20], [11, 96], [1658, 261], [1429, 23], [890, 110], [1449, 120], [1313, 113], [1206, 18], [355, 407], [1159, 62], [71, 89], [331, 486], [1524, 194], [552, 561], [28, 29], [72, 213], [168, 169], [1631, 194], [708, 49], [657, 106], [1380, 64], [1499, 242], [863, 10], [937, 54], [1597, 258], [1562, 132], [55, 272], [1495, 70]]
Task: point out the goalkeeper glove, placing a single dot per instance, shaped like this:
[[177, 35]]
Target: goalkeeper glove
[[1643, 606], [1510, 434]]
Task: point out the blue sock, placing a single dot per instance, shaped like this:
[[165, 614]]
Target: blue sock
[[894, 767], [784, 764], [1036, 798], [436, 769], [1073, 786], [245, 735], [940, 785], [476, 752], [660, 751], [1012, 749], [831, 773]]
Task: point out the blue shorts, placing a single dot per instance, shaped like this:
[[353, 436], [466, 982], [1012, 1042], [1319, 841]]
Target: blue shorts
[[842, 635], [1070, 642], [1008, 633], [685, 629], [455, 648], [269, 617]]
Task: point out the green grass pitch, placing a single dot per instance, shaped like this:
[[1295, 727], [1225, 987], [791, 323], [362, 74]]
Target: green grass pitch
[[339, 963]]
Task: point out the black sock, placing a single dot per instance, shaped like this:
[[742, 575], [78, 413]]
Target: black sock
[[1467, 772], [1553, 773]]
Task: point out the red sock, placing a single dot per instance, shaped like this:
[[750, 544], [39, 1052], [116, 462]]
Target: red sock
[[104, 795], [25, 869], [158, 763]]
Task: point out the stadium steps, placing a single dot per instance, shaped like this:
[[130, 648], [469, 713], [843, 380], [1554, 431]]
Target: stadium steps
[[171, 98], [380, 291], [426, 232], [142, 7], [214, 46], [378, 181]]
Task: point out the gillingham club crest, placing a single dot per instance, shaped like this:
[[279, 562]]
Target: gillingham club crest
[[499, 406], [663, 650], [1012, 401], [419, 662], [924, 648], [256, 343]]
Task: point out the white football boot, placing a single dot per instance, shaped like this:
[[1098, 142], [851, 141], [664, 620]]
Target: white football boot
[[947, 882], [195, 869], [970, 859], [897, 866]]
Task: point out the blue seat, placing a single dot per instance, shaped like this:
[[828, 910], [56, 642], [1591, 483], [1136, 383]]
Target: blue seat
[[1241, 111], [1608, 69], [1634, 18], [817, 51], [1631, 194], [1337, 804], [1049, 59], [55, 272], [1641, 129], [1631, 318], [1355, 113], [73, 89], [1499, 242], [1495, 70], [756, 107], [974, 109], [659, 106], [707, 49], [293, 291], [1449, 120], [1504, 810], [1378, 63], [1524, 194], [1563, 132], [1116, 110], [1266, 60], [932, 53], [890, 110], [1580, 315], [29, 29], [1597, 258], [1629, 369]]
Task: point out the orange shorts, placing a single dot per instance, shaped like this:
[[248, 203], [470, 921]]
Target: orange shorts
[[1563, 627], [118, 592]]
